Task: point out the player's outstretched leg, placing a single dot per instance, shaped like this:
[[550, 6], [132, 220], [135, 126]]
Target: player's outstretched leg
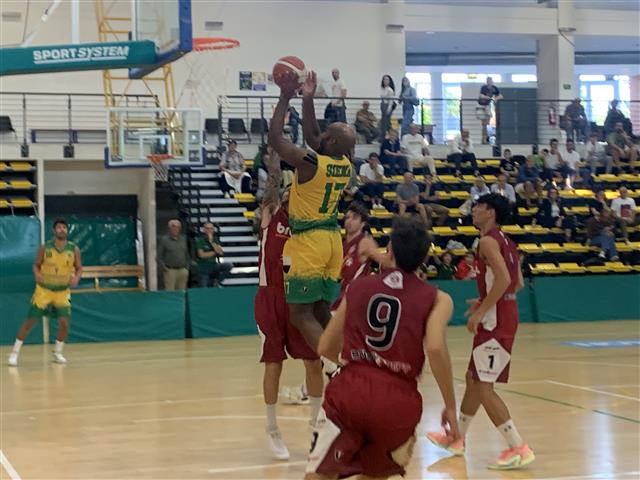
[[518, 454], [25, 328], [270, 383]]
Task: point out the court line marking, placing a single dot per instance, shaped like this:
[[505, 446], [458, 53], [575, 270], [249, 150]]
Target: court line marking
[[628, 365], [131, 404], [257, 467], [596, 476], [593, 390], [8, 467], [218, 417]]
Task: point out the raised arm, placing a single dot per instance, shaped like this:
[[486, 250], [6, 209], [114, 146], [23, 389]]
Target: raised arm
[[271, 199], [291, 154], [310, 126]]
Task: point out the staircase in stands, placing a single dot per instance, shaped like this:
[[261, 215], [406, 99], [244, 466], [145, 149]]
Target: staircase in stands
[[202, 201]]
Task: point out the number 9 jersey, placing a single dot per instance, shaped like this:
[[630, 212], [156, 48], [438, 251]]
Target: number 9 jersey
[[312, 257]]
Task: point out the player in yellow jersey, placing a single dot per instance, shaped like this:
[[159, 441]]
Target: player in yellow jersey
[[56, 269], [312, 257]]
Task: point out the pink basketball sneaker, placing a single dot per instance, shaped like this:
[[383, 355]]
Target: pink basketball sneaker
[[439, 439], [513, 458]]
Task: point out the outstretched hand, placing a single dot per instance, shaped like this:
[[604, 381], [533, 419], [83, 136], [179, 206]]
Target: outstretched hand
[[450, 424], [310, 84]]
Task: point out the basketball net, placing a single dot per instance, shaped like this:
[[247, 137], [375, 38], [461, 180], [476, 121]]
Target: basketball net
[[208, 77], [161, 170]]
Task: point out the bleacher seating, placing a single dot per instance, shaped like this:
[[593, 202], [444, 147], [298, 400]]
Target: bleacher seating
[[546, 249]]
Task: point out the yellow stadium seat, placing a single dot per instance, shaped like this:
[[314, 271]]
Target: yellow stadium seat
[[445, 195], [397, 178], [618, 267], [611, 194], [578, 210], [575, 247], [636, 268], [248, 163], [20, 166], [597, 269], [527, 212], [570, 267], [3, 166], [513, 230], [449, 179], [607, 177], [4, 203], [468, 178], [552, 247], [492, 162], [21, 203], [3, 185], [249, 215], [490, 178], [536, 229], [545, 268], [375, 233], [530, 248], [387, 230], [389, 195], [21, 184], [245, 197], [459, 252], [381, 214], [635, 246], [467, 230], [455, 213], [623, 247], [444, 231], [440, 163], [460, 194], [630, 177]]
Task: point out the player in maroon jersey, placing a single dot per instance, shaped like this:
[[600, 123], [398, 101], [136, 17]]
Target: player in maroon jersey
[[380, 330], [493, 319], [278, 335], [359, 249]]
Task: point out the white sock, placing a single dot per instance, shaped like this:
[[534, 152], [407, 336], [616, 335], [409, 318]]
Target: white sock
[[316, 403], [464, 422], [272, 422], [59, 346], [510, 434], [329, 366], [17, 346]]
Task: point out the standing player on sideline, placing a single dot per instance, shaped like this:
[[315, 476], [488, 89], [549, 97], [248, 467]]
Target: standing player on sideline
[[358, 249], [56, 269], [313, 254], [493, 319], [279, 337], [382, 327]]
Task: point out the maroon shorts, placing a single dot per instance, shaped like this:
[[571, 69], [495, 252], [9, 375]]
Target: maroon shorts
[[366, 425], [279, 336], [491, 355]]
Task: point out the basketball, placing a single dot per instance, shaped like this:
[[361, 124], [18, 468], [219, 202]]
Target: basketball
[[289, 71]]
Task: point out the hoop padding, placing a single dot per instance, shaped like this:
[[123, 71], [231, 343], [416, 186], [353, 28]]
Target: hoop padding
[[215, 43]]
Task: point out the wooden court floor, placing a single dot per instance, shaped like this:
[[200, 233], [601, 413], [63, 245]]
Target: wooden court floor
[[192, 409]]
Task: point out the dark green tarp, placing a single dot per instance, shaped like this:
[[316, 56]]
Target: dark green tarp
[[221, 312], [19, 242]]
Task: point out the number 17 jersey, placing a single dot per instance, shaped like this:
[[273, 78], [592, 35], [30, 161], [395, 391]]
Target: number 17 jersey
[[386, 322], [314, 204]]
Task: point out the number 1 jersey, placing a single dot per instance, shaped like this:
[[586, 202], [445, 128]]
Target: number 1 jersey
[[386, 322]]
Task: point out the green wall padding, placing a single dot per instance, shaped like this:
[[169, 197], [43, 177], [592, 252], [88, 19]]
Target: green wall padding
[[19, 242], [13, 311], [222, 312], [596, 297], [125, 316]]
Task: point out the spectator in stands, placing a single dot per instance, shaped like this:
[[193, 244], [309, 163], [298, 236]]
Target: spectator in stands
[[509, 166], [615, 115], [501, 187], [467, 268], [621, 147], [600, 234], [575, 119], [212, 270], [293, 121], [391, 156], [415, 147], [367, 123], [572, 165], [336, 110], [371, 177], [445, 267], [555, 167], [387, 105], [409, 100], [408, 198], [552, 214], [599, 203], [488, 93], [624, 209], [233, 171], [429, 198], [478, 189], [595, 154], [461, 151], [540, 159], [173, 257], [529, 182]]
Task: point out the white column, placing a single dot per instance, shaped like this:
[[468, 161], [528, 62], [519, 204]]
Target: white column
[[392, 41], [635, 106], [75, 21], [438, 108]]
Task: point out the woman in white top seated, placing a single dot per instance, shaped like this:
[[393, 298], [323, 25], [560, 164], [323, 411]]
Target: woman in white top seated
[[233, 172]]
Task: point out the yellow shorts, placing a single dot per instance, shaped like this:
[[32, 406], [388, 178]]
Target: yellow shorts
[[312, 261], [55, 304]]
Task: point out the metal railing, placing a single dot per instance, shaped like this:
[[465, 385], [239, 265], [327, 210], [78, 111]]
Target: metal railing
[[66, 114], [513, 121]]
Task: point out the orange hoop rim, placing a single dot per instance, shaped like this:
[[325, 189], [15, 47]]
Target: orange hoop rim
[[204, 44], [157, 158]]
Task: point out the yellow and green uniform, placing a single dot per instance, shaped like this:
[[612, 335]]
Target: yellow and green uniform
[[312, 257], [53, 296]]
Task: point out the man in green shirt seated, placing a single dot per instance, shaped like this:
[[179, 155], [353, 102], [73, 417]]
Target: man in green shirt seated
[[211, 270]]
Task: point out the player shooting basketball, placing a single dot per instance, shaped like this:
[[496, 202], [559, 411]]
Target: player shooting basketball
[[313, 256]]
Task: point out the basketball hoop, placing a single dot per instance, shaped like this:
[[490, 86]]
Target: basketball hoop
[[161, 170], [209, 76]]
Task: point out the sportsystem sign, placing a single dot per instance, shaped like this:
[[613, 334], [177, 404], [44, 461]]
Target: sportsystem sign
[[90, 56]]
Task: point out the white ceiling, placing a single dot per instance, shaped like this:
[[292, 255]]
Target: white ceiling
[[448, 42], [601, 4]]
